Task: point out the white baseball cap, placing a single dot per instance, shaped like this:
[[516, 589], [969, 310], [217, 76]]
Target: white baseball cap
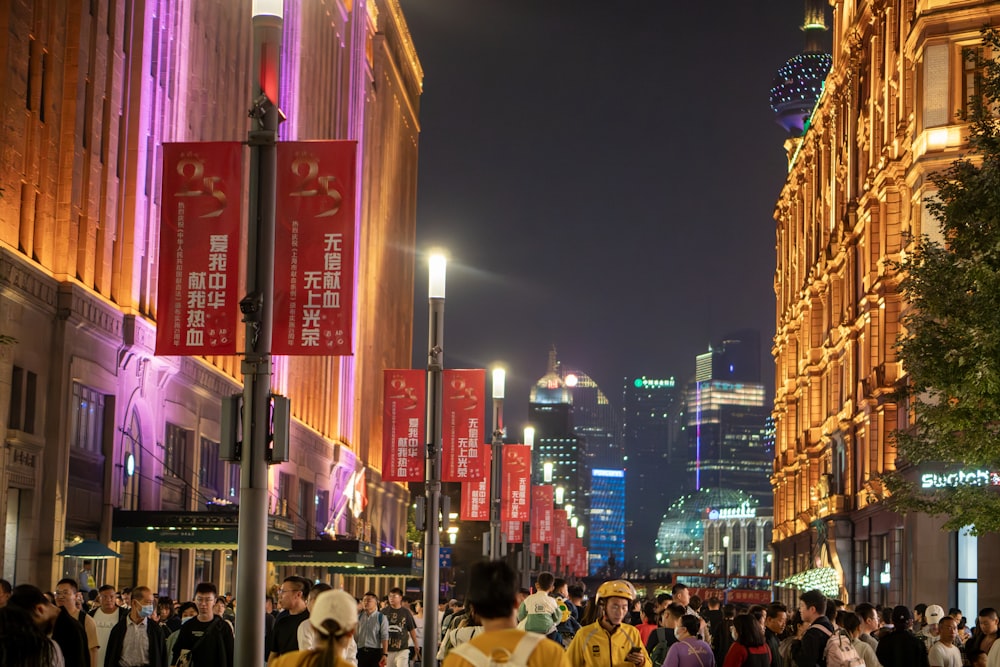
[[337, 606]]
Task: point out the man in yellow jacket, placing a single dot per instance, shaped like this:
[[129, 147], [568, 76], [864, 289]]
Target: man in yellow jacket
[[607, 642]]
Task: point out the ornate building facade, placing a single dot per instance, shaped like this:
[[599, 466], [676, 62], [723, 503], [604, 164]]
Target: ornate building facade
[[93, 423], [855, 193]]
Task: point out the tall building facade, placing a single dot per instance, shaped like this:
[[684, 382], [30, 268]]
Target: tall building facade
[[94, 424], [855, 195], [655, 462], [560, 455], [726, 418], [595, 420], [607, 522]]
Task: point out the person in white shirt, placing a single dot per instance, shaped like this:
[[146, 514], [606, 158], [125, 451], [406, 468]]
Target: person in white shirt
[[943, 652], [106, 617]]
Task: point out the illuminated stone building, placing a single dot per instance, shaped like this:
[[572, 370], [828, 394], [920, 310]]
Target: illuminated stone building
[[855, 192], [92, 422]]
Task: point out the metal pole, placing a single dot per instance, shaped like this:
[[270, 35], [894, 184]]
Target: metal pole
[[257, 308], [432, 468], [495, 477]]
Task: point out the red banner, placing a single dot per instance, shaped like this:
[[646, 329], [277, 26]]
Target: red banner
[[462, 449], [516, 478], [404, 413], [314, 248], [512, 531], [476, 497], [198, 273], [560, 541], [541, 514]]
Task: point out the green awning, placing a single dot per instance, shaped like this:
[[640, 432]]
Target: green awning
[[351, 555], [210, 529]]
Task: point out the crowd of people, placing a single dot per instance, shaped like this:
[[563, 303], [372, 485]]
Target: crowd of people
[[314, 625]]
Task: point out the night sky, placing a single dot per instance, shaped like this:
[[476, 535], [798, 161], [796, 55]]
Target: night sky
[[602, 176]]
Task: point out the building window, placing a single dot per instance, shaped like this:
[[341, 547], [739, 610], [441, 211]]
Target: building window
[[169, 572], [233, 482], [283, 494], [972, 78], [967, 552], [306, 509], [131, 463], [208, 473], [87, 428], [175, 451], [23, 390], [322, 511]]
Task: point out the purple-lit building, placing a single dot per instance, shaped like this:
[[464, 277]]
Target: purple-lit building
[[98, 430]]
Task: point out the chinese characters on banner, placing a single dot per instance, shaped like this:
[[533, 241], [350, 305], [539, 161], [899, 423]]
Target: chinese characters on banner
[[516, 477], [476, 496], [462, 447], [199, 248], [512, 532], [314, 248], [542, 498], [560, 543], [404, 414]]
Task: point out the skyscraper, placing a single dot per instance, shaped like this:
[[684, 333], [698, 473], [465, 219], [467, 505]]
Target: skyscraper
[[655, 462], [595, 420], [725, 417], [557, 447], [607, 521]]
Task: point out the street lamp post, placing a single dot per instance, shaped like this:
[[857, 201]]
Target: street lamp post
[[725, 568], [496, 467], [432, 467], [251, 578], [529, 440]]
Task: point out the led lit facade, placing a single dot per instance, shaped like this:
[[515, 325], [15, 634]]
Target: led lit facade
[[92, 421], [726, 418], [856, 192], [607, 521]]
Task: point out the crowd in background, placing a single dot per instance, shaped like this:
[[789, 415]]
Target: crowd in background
[[309, 624]]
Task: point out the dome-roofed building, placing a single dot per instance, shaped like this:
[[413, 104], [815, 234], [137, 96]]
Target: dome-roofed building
[[799, 82], [690, 536]]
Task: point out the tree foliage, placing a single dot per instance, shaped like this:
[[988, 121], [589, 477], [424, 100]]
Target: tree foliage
[[951, 348]]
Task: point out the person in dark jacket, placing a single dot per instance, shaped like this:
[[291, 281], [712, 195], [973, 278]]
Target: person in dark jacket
[[774, 630], [151, 649], [901, 648], [812, 609], [207, 637]]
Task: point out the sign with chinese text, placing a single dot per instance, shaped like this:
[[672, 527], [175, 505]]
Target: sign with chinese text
[[314, 248], [404, 414], [512, 532], [196, 300], [476, 497], [560, 536], [462, 449], [541, 514], [516, 482]]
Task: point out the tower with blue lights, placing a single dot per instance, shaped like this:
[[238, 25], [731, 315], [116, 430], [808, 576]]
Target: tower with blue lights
[[799, 82]]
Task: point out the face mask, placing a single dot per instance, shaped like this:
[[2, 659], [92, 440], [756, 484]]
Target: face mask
[[186, 619], [146, 611]]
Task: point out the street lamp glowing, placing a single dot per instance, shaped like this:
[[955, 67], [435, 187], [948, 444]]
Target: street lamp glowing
[[529, 436], [725, 541], [579, 531], [560, 494], [437, 265], [499, 375], [573, 521], [547, 472]]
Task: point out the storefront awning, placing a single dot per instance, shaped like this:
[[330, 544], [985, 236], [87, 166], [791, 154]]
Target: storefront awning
[[210, 529], [398, 566], [347, 555]]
